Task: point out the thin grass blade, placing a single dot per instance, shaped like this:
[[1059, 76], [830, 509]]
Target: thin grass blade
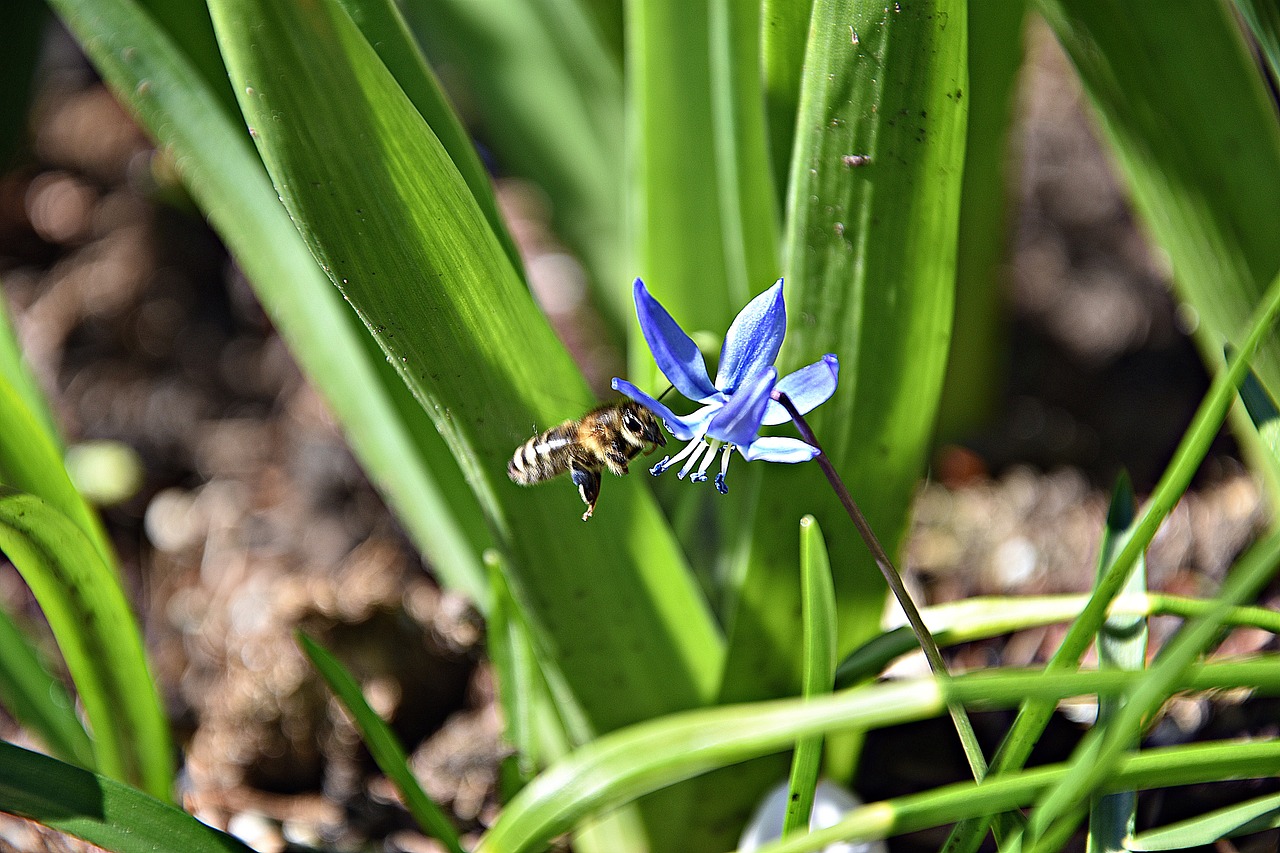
[[1241, 819], [1263, 18], [86, 608], [99, 809], [1033, 716], [1121, 644], [819, 615], [382, 744], [37, 700]]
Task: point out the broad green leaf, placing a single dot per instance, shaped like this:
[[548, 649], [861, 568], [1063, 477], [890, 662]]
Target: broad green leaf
[[544, 86], [1240, 819], [784, 30], [749, 211], [676, 222], [623, 765], [870, 259], [100, 810], [383, 746], [37, 700], [1121, 644], [1263, 17], [972, 389], [391, 435], [1208, 419], [388, 217], [384, 27], [819, 616], [81, 598], [1196, 136]]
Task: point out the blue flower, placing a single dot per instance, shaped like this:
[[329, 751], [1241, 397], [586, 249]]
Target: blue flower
[[742, 399]]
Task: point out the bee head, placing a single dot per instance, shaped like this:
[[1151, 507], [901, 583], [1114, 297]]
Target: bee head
[[641, 426]]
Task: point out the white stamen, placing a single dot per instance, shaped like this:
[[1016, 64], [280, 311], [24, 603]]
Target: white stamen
[[721, 486], [701, 476], [699, 446]]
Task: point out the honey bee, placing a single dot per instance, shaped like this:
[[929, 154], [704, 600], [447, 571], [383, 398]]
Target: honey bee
[[608, 436]]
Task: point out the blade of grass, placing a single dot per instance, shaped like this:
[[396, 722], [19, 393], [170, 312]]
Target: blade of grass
[[819, 616], [99, 809], [1156, 768], [1208, 419], [981, 618], [393, 438], [390, 220], [1102, 748], [1239, 819], [1263, 18], [81, 598], [37, 700], [14, 371], [382, 744], [1121, 644], [621, 766]]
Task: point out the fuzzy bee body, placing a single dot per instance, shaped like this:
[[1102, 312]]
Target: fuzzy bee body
[[607, 437]]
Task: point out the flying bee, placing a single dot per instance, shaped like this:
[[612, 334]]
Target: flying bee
[[608, 436]]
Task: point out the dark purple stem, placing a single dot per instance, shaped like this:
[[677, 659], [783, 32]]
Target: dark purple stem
[[927, 644]]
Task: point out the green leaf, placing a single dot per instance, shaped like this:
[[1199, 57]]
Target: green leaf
[[1241, 819], [382, 744], [624, 765], [970, 394], [15, 372], [551, 110], [37, 700], [1263, 18], [391, 221], [819, 616], [870, 262], [100, 810], [1195, 443], [391, 435], [81, 598], [1121, 644], [1262, 411], [784, 29], [1195, 134], [1100, 751], [386, 30], [1154, 768]]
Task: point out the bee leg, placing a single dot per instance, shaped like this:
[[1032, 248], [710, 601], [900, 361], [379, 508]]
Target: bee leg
[[616, 460], [588, 483]]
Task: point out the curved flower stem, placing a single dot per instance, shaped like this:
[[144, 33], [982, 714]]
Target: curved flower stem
[[964, 728]]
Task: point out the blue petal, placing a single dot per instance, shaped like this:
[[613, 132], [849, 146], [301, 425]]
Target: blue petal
[[753, 341], [683, 428], [777, 448], [675, 352], [738, 422], [808, 388]]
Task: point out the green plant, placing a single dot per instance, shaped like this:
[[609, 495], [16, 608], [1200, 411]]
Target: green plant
[[824, 143]]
